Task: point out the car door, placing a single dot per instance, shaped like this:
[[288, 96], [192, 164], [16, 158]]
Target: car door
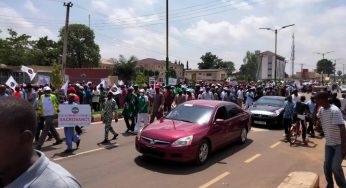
[[234, 124], [218, 130]]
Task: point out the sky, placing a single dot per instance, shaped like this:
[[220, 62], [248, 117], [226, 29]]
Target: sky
[[227, 28]]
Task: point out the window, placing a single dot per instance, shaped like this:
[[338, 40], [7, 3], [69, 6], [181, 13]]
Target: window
[[233, 111], [221, 113], [208, 74], [199, 73]]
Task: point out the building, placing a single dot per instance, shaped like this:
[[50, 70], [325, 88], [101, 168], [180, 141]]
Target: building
[[93, 75], [159, 66], [266, 66], [106, 64], [306, 75], [6, 71], [210, 75]]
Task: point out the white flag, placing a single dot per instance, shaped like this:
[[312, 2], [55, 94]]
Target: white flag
[[29, 71], [64, 87], [115, 90], [11, 82], [120, 83], [104, 84]]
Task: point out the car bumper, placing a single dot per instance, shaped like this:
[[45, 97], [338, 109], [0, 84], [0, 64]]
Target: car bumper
[[166, 152], [266, 120]]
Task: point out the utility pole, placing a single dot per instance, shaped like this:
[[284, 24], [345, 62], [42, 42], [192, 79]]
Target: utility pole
[[167, 57], [323, 53], [89, 20], [64, 51], [276, 33], [301, 69], [293, 54]]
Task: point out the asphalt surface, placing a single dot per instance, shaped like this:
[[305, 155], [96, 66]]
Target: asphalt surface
[[264, 161]]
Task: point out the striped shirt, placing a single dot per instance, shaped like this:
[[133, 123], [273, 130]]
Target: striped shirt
[[330, 119]]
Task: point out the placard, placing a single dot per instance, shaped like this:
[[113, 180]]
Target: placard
[[72, 115], [172, 81], [43, 80]]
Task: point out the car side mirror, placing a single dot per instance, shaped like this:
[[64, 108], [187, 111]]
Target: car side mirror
[[219, 121]]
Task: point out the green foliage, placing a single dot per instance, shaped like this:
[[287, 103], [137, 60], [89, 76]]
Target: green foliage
[[326, 66], [209, 61], [339, 73], [125, 68], [46, 52], [141, 79], [227, 65], [249, 68], [56, 76], [82, 51]]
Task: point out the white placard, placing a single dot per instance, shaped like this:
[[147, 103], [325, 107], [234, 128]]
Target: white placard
[[172, 81], [72, 115], [43, 80]]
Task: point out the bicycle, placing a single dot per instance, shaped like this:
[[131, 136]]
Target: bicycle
[[296, 131]]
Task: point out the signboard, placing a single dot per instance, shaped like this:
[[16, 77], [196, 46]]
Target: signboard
[[43, 80], [172, 81], [72, 115], [152, 81]]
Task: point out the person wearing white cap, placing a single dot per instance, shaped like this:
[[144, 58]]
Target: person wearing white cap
[[143, 104], [48, 108]]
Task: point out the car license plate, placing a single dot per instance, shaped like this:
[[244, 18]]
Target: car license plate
[[260, 122]]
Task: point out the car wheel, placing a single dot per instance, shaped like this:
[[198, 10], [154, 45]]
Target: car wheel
[[243, 136], [203, 152]]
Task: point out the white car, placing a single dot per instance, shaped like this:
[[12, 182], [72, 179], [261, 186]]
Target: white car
[[343, 88]]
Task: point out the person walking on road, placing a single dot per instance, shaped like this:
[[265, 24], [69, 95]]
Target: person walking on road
[[130, 110], [48, 109], [158, 101], [110, 110], [143, 115], [70, 134], [288, 116], [310, 118], [333, 125]]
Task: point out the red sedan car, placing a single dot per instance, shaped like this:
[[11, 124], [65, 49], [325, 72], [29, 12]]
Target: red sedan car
[[193, 130]]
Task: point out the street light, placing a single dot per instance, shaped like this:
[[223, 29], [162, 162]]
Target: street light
[[276, 34], [167, 57], [323, 53]]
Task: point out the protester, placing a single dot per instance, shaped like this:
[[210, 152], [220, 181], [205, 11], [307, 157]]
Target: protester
[[312, 108], [31, 95], [143, 104], [207, 94], [301, 109], [110, 112], [96, 99], [17, 92], [179, 98], [189, 95], [130, 110], [249, 98], [158, 101], [288, 116], [169, 98], [48, 108], [3, 93], [240, 97], [20, 165], [70, 131]]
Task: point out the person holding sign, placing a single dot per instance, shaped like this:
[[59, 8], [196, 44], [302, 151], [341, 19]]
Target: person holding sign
[[110, 107], [70, 134]]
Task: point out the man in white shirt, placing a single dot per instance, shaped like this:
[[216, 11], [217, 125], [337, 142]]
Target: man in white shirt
[[295, 96], [240, 97], [20, 165], [207, 94], [249, 98]]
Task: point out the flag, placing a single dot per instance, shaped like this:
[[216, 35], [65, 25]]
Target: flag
[[64, 87], [11, 82], [120, 83], [115, 90], [29, 71], [103, 82]]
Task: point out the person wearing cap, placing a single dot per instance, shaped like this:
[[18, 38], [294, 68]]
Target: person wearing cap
[[180, 97], [70, 134], [110, 111], [158, 101], [130, 110], [48, 108], [31, 95], [207, 94], [143, 104]]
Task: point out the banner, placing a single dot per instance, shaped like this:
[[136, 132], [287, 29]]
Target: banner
[[11, 82], [115, 90], [43, 80], [29, 71], [72, 115], [172, 81]]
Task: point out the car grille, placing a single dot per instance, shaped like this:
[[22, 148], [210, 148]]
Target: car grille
[[154, 141], [260, 115], [153, 152]]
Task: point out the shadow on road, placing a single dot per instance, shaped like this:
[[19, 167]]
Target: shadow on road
[[169, 167]]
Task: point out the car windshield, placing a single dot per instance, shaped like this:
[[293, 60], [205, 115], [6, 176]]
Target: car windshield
[[270, 101], [191, 113]]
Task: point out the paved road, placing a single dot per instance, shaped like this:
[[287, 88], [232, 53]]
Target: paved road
[[264, 161]]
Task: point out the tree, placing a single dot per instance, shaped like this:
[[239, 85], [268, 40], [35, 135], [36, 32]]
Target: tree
[[141, 79], [209, 61], [45, 51], [82, 51], [339, 73], [325, 66], [56, 76], [125, 68], [249, 68], [227, 65]]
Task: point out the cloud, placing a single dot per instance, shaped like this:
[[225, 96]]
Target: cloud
[[30, 6]]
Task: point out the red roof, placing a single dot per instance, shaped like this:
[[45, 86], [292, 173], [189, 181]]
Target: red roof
[[87, 74]]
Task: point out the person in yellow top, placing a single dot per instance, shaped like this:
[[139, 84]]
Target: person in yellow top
[[48, 108]]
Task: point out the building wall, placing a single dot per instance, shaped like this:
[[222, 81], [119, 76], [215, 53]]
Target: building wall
[[207, 75], [267, 67]]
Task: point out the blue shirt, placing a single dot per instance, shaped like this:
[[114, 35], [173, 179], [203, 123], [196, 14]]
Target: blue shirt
[[288, 110], [311, 106]]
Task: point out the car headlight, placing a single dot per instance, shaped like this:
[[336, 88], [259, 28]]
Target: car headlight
[[277, 112], [139, 133], [186, 141]]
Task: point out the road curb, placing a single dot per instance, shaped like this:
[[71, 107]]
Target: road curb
[[300, 180]]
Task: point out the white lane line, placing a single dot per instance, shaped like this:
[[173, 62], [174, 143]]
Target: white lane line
[[216, 179], [274, 145], [252, 158], [82, 153]]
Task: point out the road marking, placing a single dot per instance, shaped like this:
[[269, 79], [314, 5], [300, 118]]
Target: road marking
[[81, 153], [274, 145], [252, 158], [216, 179], [254, 129]]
